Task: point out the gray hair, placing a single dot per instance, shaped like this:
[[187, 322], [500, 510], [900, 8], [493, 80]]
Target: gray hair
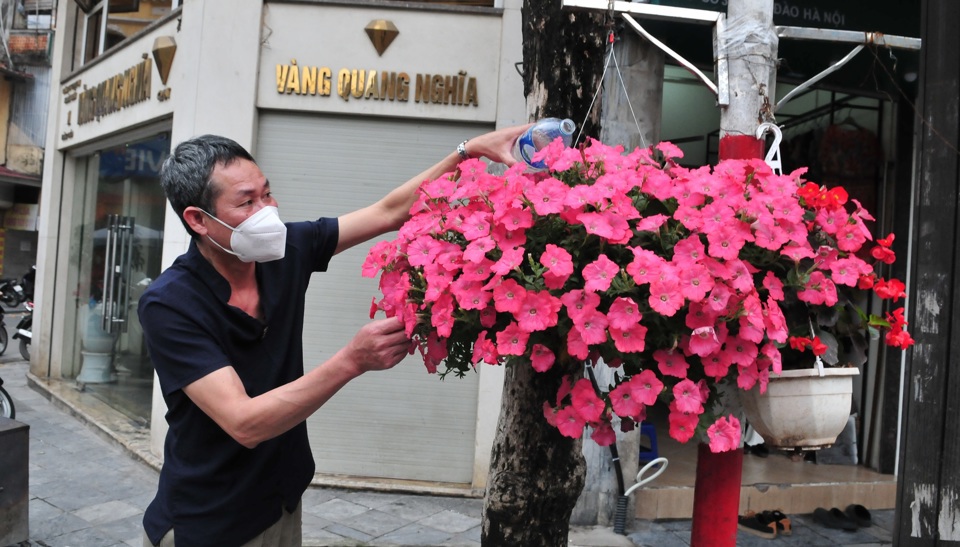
[[185, 175]]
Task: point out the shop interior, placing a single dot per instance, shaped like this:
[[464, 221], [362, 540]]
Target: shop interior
[[851, 129]]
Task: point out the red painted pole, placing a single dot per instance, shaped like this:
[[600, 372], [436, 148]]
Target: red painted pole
[[716, 495], [740, 147], [751, 82]]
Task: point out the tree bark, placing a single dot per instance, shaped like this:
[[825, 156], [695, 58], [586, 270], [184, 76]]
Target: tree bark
[[563, 54], [536, 473]]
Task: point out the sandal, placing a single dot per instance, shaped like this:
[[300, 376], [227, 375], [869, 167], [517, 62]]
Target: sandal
[[782, 522], [752, 523]]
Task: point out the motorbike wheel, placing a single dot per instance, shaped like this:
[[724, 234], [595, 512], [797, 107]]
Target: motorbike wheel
[[4, 338], [6, 405], [25, 349], [9, 297]]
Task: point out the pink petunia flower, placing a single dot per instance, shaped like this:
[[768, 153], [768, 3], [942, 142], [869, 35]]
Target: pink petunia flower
[[646, 387], [623, 313], [585, 400], [671, 363], [599, 274], [508, 296], [603, 434], [484, 350], [695, 282], [665, 297], [683, 425], [592, 327], [512, 340], [569, 422], [704, 341], [716, 365], [541, 358], [629, 340], [509, 260], [538, 311], [773, 285], [477, 249], [421, 251], [623, 402], [686, 395], [557, 260], [576, 347], [724, 434], [646, 266], [578, 303], [547, 196]]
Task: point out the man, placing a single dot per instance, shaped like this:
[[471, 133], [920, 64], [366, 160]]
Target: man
[[224, 326]]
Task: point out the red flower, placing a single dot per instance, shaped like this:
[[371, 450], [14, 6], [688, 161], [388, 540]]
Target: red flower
[[887, 241], [883, 254], [817, 346], [894, 289]]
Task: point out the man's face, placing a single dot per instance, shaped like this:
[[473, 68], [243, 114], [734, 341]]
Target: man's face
[[241, 190]]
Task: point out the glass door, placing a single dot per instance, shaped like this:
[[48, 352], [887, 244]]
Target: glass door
[[118, 236]]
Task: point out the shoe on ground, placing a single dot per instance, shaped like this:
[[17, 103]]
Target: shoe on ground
[[752, 524], [781, 521], [834, 518], [859, 514]]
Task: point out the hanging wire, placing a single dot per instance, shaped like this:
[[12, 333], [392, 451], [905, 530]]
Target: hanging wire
[[623, 86]]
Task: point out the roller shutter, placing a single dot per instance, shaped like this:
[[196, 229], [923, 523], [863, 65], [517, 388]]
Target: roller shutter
[[399, 424]]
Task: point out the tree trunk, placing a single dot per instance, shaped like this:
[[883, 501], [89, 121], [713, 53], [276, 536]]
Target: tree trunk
[[536, 474], [563, 54]]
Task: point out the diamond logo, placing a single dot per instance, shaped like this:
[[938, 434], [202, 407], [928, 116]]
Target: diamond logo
[[381, 33]]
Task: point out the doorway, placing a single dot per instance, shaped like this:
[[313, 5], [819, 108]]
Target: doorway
[[117, 242]]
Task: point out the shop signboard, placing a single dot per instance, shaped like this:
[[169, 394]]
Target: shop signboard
[[899, 17]]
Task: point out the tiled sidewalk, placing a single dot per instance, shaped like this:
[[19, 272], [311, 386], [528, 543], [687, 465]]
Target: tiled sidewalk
[[87, 491]]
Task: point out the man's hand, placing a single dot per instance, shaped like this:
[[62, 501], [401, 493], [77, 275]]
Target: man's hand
[[379, 345], [496, 145]]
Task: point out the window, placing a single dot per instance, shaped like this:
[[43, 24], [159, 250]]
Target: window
[[35, 15], [104, 24]]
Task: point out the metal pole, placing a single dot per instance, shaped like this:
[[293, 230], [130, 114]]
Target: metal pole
[[747, 42]]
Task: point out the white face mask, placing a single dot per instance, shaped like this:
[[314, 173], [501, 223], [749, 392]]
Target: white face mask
[[260, 238]]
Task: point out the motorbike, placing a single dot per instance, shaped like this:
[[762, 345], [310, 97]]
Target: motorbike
[[6, 403], [24, 331], [14, 291], [11, 292], [3, 334]]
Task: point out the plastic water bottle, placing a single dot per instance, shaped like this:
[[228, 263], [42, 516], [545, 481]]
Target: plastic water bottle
[[538, 137]]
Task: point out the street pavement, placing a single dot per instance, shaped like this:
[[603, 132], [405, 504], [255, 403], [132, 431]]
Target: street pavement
[[89, 491]]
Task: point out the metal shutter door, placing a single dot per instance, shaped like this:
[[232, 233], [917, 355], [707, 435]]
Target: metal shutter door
[[399, 424]]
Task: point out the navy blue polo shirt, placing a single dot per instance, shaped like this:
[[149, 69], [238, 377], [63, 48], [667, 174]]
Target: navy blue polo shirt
[[213, 490]]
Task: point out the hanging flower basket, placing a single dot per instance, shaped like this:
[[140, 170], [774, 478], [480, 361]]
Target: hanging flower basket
[[801, 409], [681, 279]]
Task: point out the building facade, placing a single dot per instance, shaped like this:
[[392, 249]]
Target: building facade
[[339, 102]]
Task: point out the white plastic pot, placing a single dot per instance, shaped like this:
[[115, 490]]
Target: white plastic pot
[[800, 408]]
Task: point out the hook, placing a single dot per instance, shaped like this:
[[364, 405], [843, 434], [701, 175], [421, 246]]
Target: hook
[[773, 155], [641, 480]]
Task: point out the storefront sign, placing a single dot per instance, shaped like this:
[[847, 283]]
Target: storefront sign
[[900, 17], [22, 216], [353, 83], [128, 88], [141, 159]]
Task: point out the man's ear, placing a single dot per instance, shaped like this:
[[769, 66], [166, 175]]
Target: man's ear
[[195, 219]]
